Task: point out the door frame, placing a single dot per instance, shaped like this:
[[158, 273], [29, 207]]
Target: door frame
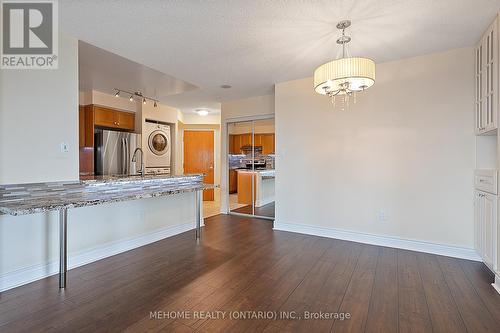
[[217, 195], [225, 205]]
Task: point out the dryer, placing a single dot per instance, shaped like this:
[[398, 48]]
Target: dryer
[[159, 146]]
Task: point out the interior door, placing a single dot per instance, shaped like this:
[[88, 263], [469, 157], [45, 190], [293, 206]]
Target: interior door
[[199, 157]]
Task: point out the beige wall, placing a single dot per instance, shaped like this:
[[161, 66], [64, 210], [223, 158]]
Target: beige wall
[[406, 147], [243, 109], [32, 126]]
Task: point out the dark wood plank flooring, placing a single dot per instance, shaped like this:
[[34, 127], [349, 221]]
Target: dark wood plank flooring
[[243, 265], [266, 210]]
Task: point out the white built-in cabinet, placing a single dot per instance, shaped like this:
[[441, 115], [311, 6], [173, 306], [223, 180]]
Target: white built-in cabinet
[[486, 85], [486, 82], [485, 211]]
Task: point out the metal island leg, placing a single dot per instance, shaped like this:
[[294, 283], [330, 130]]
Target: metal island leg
[[198, 195], [63, 251]]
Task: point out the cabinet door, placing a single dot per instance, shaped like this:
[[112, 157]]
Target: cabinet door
[[489, 231], [245, 140], [478, 221], [105, 117], [490, 77], [478, 105], [486, 82], [268, 144], [125, 120]]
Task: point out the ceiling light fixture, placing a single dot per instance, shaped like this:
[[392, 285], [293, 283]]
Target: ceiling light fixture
[[225, 86], [202, 112], [344, 76], [137, 94]]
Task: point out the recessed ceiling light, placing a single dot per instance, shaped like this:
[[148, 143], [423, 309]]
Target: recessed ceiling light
[[225, 86], [202, 112]]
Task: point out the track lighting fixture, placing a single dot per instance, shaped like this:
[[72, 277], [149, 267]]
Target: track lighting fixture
[[137, 94]]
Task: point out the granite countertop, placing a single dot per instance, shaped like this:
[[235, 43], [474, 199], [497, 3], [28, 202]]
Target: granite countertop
[[22, 199]]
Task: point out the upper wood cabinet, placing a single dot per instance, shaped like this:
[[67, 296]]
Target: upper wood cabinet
[[113, 119], [266, 141], [91, 116], [486, 82]]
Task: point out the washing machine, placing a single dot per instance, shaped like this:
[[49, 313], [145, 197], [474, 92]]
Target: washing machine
[[159, 147]]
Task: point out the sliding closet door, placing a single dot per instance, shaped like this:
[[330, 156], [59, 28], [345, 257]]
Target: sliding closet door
[[251, 167]]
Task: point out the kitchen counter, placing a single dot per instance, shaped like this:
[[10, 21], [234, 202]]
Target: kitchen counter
[[22, 199], [264, 173], [259, 194]]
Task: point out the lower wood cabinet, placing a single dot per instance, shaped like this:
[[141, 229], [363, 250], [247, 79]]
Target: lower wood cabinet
[[233, 181], [485, 216]]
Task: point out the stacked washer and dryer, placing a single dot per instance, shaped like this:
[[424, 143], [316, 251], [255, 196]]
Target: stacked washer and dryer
[[159, 147]]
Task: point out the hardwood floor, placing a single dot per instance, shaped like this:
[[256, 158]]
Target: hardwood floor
[[266, 210], [243, 265]]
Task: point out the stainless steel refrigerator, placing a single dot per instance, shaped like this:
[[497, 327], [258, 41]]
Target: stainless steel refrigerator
[[113, 152]]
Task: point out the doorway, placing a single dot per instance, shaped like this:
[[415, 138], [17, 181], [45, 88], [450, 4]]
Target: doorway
[[199, 157], [251, 167]]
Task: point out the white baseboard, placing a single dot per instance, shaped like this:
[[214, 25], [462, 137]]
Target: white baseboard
[[26, 275], [263, 202], [496, 284], [444, 250]]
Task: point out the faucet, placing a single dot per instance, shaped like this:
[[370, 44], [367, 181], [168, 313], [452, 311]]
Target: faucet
[[134, 159]]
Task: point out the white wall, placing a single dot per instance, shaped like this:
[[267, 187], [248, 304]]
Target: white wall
[[243, 109], [211, 119], [38, 111], [406, 147]]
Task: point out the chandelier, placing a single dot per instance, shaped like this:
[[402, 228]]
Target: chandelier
[[344, 76]]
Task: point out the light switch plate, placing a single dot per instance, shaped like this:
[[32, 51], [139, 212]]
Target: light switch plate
[[64, 147]]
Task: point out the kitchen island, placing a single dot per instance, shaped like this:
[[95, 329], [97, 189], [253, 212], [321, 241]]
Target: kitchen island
[[262, 188], [23, 199]]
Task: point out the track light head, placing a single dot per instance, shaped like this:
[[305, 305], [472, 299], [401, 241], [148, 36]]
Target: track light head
[[117, 93], [155, 105], [131, 98], [143, 101]]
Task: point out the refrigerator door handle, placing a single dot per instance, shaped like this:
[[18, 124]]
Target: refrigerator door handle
[[127, 155], [123, 156]]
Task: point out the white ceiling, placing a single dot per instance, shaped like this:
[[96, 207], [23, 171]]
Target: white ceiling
[[101, 70], [252, 45]]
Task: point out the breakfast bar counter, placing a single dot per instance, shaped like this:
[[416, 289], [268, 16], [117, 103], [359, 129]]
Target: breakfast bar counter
[[22, 199]]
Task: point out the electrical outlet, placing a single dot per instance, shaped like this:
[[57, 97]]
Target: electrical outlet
[[382, 216], [64, 147]]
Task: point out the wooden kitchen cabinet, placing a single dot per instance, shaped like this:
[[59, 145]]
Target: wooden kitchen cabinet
[[233, 181], [265, 140], [267, 144], [113, 119], [92, 116]]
